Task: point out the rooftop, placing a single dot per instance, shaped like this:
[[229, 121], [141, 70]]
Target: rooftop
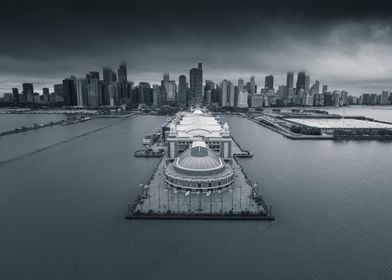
[[198, 158], [198, 124]]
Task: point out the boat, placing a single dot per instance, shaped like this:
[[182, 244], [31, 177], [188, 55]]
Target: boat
[[149, 153]]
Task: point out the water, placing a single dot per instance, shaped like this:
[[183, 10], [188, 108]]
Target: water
[[62, 210], [12, 121]]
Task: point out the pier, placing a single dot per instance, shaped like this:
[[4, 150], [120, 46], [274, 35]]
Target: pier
[[200, 175], [243, 201]]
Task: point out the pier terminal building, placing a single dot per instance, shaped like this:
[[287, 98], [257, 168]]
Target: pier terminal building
[[187, 128], [199, 153]]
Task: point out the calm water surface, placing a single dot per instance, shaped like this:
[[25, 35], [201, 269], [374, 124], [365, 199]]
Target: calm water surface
[[12, 121], [62, 209]]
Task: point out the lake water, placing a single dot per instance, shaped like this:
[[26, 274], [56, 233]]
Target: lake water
[[12, 121], [63, 200]]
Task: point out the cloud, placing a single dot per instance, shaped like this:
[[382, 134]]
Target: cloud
[[343, 43]]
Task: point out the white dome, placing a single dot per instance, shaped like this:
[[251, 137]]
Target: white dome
[[199, 158]]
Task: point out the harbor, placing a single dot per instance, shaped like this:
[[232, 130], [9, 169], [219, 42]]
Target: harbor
[[194, 182]]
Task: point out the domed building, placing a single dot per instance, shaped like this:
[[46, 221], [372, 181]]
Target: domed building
[[199, 169]]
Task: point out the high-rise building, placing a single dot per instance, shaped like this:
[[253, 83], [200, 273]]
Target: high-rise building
[[58, 90], [15, 94], [301, 80], [171, 89], [28, 88], [283, 92], [69, 90], [196, 81], [384, 98], [256, 101], [122, 73], [107, 76], [252, 85], [290, 80], [145, 93], [156, 95], [108, 80], [241, 84], [45, 91], [242, 100], [81, 92], [227, 93], [269, 82], [307, 83], [166, 77], [336, 97], [365, 99], [325, 88], [343, 98], [28, 92], [373, 99], [315, 88], [182, 86], [93, 92]]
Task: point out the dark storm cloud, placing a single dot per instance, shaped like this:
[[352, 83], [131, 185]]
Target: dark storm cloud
[[338, 41]]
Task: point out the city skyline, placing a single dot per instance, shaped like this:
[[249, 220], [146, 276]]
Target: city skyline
[[342, 43]]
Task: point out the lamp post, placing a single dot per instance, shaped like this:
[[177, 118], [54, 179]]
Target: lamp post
[[232, 198], [168, 200], [240, 197], [221, 201]]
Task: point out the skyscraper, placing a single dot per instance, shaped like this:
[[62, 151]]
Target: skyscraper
[[252, 85], [171, 89], [107, 75], [93, 88], [196, 81], [300, 82], [15, 94], [28, 88], [122, 73], [315, 89], [384, 98], [69, 90], [227, 93], [241, 84], [242, 99], [307, 83], [182, 90], [58, 90], [156, 95], [28, 92], [325, 88], [123, 84], [269, 82], [164, 88], [290, 80], [81, 92]]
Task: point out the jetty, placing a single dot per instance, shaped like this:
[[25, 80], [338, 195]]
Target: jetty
[[197, 183]]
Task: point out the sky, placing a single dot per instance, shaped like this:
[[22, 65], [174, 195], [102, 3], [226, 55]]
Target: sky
[[345, 44]]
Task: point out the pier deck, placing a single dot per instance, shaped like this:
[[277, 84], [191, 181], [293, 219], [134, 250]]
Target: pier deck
[[242, 201]]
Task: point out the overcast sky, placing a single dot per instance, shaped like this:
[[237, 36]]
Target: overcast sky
[[345, 43]]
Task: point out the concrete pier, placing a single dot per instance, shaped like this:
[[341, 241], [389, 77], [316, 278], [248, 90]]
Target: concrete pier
[[241, 201]]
